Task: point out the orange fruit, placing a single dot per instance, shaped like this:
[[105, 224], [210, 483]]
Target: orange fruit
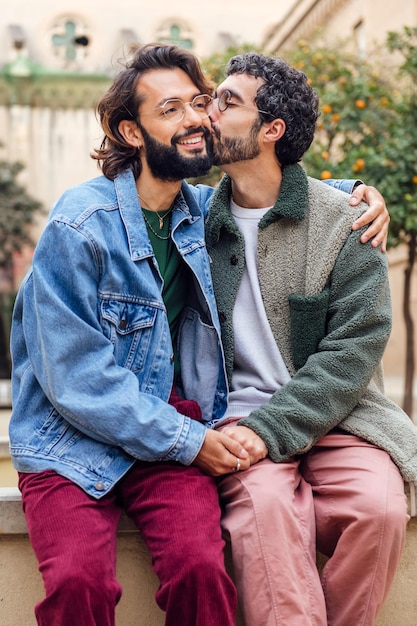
[[325, 175]]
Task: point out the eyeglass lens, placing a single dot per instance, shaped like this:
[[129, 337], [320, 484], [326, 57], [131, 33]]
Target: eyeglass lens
[[224, 101], [174, 109]]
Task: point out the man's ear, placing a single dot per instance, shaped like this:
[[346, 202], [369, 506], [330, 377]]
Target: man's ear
[[275, 130], [131, 133]]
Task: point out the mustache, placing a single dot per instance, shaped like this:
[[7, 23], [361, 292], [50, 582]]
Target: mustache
[[215, 131]]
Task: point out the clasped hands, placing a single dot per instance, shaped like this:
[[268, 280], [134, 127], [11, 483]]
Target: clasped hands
[[231, 448]]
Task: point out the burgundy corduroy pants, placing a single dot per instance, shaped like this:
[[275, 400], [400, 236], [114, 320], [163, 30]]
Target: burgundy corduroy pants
[[177, 511]]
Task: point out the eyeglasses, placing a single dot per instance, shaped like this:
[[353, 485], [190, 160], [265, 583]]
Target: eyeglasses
[[225, 101], [173, 110]]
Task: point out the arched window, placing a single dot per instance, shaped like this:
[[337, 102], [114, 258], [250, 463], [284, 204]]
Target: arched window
[[70, 41], [176, 32]]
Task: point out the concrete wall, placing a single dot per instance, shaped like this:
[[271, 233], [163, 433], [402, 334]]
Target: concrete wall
[[54, 145], [394, 356], [21, 586]]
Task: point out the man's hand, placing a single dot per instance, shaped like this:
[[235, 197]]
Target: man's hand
[[377, 216], [251, 442], [221, 454]]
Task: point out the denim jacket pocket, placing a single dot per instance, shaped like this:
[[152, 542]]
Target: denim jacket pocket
[[129, 326], [308, 316]]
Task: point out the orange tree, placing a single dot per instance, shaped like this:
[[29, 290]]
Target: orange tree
[[356, 110], [368, 129]]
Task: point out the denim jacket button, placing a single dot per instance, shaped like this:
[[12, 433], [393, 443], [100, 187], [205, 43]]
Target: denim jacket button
[[123, 324], [99, 486]]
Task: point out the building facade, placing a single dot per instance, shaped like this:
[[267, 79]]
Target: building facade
[[363, 22], [56, 59]]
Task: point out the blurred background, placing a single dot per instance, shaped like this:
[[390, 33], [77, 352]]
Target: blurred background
[[57, 58]]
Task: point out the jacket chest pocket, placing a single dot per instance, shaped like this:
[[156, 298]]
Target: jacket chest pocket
[[308, 317], [129, 326]]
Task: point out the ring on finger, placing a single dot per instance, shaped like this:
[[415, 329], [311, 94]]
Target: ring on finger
[[237, 468]]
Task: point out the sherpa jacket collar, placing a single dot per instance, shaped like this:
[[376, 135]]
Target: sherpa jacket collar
[[292, 202]]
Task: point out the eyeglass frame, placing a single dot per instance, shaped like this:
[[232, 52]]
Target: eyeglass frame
[[225, 104], [182, 110]]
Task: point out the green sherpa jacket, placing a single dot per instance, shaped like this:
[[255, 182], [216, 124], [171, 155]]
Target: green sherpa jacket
[[327, 300]]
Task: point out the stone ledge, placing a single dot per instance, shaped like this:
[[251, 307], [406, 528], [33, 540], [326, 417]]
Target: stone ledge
[[12, 519], [21, 584]]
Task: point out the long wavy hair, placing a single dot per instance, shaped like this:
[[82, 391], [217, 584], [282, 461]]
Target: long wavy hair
[[122, 101]]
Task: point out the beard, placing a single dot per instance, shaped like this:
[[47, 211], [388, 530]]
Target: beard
[[232, 149], [166, 163]]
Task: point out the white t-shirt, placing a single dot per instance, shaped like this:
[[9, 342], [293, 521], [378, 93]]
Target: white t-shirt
[[259, 369]]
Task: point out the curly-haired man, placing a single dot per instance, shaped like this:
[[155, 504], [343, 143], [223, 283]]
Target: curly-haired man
[[305, 316]]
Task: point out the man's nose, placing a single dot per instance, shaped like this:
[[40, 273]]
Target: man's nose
[[213, 110], [192, 117]]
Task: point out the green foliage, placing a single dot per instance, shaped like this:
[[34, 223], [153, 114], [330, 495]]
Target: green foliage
[[368, 123], [405, 42], [17, 212], [367, 128], [215, 65], [212, 178]]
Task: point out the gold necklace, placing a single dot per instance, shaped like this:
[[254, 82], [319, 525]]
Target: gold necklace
[[160, 217], [154, 232]]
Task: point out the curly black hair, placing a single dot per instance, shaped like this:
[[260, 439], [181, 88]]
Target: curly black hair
[[285, 94]]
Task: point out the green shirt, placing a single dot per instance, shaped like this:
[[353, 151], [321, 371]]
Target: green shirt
[[174, 271]]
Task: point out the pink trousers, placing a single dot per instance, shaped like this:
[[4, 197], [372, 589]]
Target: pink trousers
[[344, 498], [73, 535]]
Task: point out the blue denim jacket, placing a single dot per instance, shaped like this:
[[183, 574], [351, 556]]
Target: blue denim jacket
[[91, 347]]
